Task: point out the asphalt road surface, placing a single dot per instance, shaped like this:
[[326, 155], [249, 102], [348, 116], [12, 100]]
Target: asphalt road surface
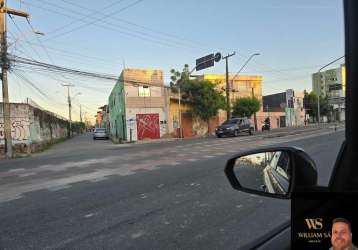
[[85, 194]]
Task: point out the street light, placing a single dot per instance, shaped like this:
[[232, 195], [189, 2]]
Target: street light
[[23, 36], [252, 89], [319, 89], [77, 94], [243, 66]]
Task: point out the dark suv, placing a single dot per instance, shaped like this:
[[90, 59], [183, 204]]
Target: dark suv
[[233, 127]]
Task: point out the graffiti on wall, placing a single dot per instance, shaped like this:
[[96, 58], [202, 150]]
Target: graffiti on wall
[[19, 130], [148, 126]]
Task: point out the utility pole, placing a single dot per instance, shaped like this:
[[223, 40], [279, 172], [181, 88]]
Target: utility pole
[[255, 119], [4, 68], [80, 113], [228, 108], [69, 107]]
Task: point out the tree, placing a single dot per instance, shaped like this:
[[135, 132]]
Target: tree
[[178, 78], [310, 104], [246, 106], [204, 98]]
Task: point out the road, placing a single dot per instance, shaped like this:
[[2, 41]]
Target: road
[[85, 194]]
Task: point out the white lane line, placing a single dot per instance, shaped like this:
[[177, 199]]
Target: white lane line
[[26, 174], [10, 198], [192, 160], [99, 179], [173, 163], [16, 170], [208, 156], [56, 188], [218, 154]]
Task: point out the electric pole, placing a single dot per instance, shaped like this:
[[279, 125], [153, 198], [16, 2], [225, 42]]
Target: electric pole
[[69, 107], [4, 68], [80, 113], [228, 107]]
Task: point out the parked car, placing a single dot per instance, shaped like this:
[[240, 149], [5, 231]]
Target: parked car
[[276, 174], [100, 133], [233, 127]]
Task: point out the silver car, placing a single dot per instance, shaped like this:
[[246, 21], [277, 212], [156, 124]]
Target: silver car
[[100, 133]]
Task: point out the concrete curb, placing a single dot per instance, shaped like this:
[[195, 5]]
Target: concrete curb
[[272, 134]]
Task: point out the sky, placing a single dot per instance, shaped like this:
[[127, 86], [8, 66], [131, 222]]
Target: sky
[[294, 39]]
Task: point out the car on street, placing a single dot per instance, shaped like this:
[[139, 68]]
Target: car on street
[[100, 133], [233, 127]]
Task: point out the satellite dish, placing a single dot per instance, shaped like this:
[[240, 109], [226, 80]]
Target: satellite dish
[[217, 57]]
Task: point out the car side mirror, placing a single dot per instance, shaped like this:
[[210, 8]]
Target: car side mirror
[[274, 172]]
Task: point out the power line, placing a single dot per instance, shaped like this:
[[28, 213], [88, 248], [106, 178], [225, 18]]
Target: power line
[[90, 15], [97, 20], [132, 23], [113, 27], [33, 65], [73, 54], [30, 82], [39, 41], [19, 75], [17, 27]]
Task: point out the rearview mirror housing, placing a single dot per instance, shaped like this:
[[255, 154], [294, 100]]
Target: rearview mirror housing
[[272, 171]]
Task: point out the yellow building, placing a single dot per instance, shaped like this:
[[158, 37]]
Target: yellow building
[[173, 116], [191, 126], [240, 86]]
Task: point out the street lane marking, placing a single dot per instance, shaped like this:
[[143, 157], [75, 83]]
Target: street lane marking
[[173, 163], [16, 170], [57, 188], [99, 179], [192, 160], [11, 191], [26, 174]]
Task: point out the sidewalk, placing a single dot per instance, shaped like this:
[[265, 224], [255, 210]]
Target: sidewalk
[[277, 132]]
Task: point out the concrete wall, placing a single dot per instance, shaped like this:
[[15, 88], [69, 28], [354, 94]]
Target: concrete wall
[[274, 119], [32, 129]]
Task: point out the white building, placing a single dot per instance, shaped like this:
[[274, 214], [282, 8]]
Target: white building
[[332, 83]]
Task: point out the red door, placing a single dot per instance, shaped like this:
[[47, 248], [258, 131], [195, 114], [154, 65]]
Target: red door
[[148, 126]]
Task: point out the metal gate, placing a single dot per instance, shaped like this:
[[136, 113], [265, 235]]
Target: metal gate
[[148, 126]]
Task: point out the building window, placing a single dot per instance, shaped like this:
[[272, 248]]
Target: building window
[[143, 91]]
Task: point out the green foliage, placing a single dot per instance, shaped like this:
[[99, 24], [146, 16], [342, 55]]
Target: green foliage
[[178, 78], [78, 127], [246, 106], [205, 99], [310, 101]]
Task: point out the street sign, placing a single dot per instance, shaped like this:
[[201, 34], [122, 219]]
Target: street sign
[[217, 57], [205, 62]]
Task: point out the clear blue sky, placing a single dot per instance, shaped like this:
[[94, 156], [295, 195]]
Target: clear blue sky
[[293, 37]]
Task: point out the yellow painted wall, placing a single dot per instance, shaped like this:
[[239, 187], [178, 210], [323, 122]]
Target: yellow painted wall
[[241, 87], [174, 112]]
